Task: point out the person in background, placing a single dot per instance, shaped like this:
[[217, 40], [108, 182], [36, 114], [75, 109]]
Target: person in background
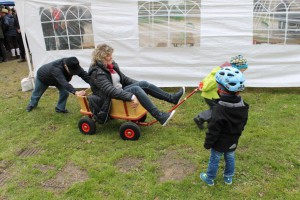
[[2, 47], [228, 119], [10, 32], [57, 73], [208, 87], [108, 81], [19, 38], [60, 26], [47, 28]]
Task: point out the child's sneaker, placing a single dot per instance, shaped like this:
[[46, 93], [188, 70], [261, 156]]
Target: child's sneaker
[[203, 177], [228, 180], [199, 121]]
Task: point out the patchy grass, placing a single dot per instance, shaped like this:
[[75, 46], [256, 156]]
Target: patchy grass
[[44, 156]]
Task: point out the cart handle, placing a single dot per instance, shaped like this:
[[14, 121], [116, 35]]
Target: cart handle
[[183, 100]]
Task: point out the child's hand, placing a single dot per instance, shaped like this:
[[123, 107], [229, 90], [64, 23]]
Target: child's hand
[[200, 86]]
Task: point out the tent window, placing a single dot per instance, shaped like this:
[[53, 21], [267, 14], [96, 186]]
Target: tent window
[[67, 27], [169, 24], [276, 22]]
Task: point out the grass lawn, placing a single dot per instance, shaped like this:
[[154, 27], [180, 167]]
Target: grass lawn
[[44, 156]]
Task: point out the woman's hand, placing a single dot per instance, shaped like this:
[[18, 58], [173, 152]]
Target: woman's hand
[[80, 93], [134, 103]]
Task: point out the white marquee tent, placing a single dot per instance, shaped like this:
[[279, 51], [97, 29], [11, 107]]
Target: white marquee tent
[[170, 43]]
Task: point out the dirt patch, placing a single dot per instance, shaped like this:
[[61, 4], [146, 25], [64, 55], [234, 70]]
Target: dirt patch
[[174, 168], [50, 128], [4, 165], [4, 174], [243, 149], [4, 177], [69, 175], [128, 164], [44, 168]]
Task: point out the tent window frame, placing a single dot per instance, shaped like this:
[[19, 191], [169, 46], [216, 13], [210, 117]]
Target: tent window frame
[[276, 22], [169, 25], [64, 29]]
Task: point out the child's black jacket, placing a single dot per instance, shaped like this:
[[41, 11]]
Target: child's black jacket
[[227, 124]]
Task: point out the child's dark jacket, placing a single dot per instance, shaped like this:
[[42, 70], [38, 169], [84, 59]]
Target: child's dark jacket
[[229, 118]]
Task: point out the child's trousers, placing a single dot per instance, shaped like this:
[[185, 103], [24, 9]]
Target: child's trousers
[[206, 115], [214, 160]]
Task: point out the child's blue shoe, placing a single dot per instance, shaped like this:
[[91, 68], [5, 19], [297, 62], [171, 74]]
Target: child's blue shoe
[[208, 181], [228, 180]]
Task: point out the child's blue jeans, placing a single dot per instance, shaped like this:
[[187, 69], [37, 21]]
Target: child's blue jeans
[[214, 160]]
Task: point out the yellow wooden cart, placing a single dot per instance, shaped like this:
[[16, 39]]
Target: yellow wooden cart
[[119, 110], [129, 130]]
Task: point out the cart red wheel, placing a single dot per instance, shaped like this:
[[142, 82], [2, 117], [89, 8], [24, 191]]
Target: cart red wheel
[[87, 126], [130, 131]]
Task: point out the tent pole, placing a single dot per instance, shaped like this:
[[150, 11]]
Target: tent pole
[[27, 52]]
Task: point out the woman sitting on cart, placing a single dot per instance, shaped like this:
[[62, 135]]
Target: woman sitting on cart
[[107, 82]]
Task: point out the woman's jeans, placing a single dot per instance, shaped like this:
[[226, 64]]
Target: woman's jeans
[[214, 160], [39, 90], [141, 88]]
